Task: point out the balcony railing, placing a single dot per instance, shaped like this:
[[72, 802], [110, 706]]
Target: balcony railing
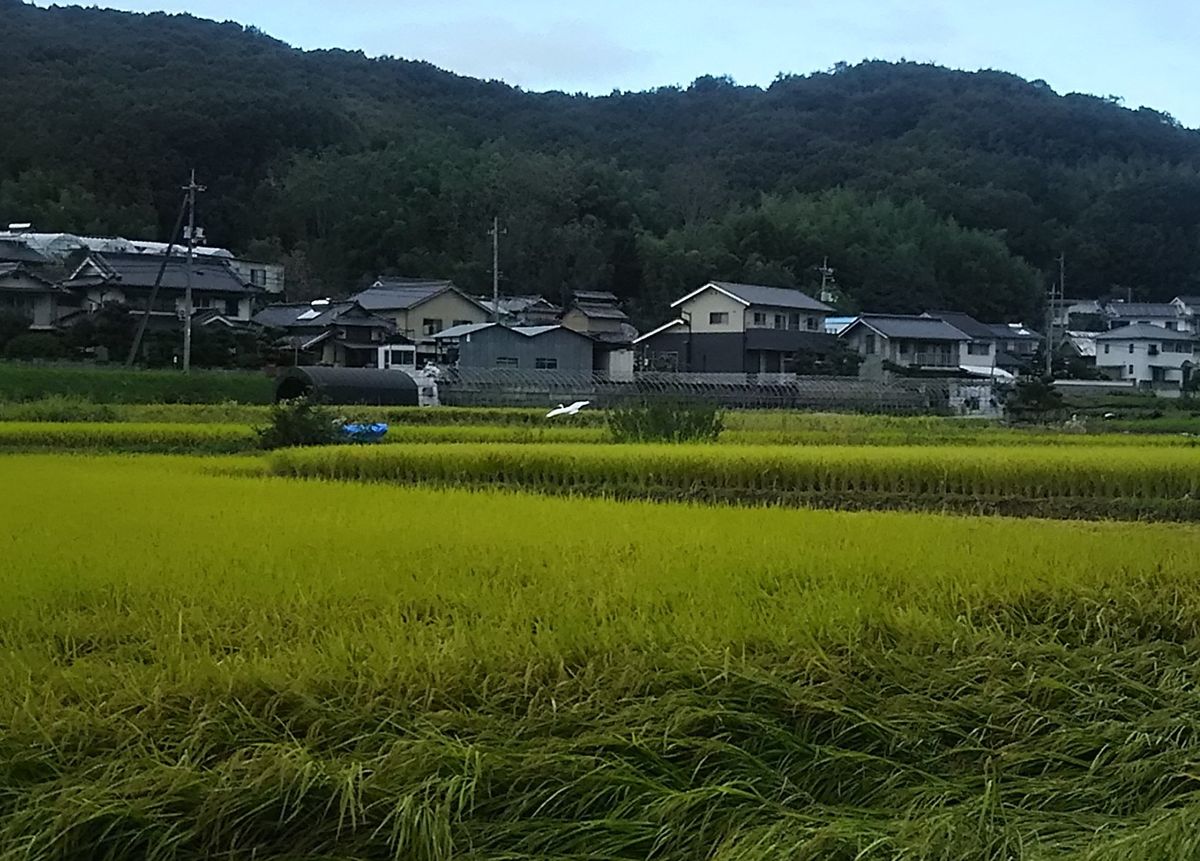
[[931, 360]]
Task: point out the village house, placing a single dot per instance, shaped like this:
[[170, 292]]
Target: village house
[[1148, 355], [724, 327], [523, 310], [329, 333], [420, 308], [26, 293], [533, 348], [1189, 313], [128, 279], [1165, 315], [920, 343]]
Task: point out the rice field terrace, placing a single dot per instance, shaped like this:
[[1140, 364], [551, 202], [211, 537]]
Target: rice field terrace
[[196, 664]]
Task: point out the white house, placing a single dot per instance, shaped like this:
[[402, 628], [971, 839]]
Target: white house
[[1149, 355], [1189, 313]]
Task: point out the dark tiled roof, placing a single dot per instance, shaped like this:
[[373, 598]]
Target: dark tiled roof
[[15, 251], [1005, 332], [1144, 332], [1125, 310], [601, 312], [209, 275], [400, 294], [964, 323], [307, 316], [916, 328], [779, 297]]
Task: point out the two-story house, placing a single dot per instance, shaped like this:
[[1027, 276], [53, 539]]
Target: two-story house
[[981, 351], [328, 333], [1148, 355], [921, 343], [117, 278], [1165, 315], [724, 327], [420, 308]]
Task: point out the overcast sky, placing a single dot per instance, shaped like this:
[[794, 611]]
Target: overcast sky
[[1146, 52]]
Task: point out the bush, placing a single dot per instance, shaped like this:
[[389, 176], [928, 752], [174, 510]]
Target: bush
[[666, 421], [11, 326], [35, 345], [1035, 400], [298, 422]]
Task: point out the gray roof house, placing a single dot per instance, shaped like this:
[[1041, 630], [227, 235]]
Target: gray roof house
[[908, 341], [421, 307], [128, 279], [723, 327], [982, 349], [1163, 314], [329, 333], [1147, 355]]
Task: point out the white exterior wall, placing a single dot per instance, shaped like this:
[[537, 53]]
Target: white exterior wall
[[982, 360], [268, 276], [1115, 359]]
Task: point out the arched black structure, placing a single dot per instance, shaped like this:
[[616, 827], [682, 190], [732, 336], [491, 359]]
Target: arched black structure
[[348, 386]]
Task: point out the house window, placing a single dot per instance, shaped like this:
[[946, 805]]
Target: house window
[[231, 307], [760, 318], [431, 326], [869, 343], [543, 363], [1131, 370], [1131, 348], [794, 321], [718, 318], [507, 362], [780, 321], [979, 348], [1106, 349], [1152, 350], [903, 348], [258, 277], [1172, 325], [812, 324]]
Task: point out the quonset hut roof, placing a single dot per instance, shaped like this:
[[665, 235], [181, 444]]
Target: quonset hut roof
[[370, 386]]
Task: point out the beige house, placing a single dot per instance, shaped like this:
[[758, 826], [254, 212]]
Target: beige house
[[420, 309]]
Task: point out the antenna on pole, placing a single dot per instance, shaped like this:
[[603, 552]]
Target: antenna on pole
[[495, 234], [1059, 288], [191, 235], [826, 277]]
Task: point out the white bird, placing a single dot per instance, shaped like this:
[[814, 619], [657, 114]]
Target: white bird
[[1110, 415], [560, 410]]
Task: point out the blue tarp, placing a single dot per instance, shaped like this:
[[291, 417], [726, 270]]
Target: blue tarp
[[358, 432]]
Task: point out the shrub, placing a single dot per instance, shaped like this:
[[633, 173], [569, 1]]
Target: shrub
[[35, 345], [666, 421], [298, 422], [11, 326]]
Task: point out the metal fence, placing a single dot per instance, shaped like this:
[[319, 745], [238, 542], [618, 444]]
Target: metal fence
[[529, 388]]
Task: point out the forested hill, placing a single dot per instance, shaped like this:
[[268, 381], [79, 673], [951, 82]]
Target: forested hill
[[924, 187]]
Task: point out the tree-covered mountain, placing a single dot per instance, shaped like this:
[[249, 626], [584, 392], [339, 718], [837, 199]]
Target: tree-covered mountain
[[923, 186]]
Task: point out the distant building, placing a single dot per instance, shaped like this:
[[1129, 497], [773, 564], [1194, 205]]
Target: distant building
[[525, 310], [981, 351], [329, 333], [1166, 315], [532, 348], [128, 279], [1149, 355], [421, 308], [1017, 344], [59, 248], [24, 292], [920, 343], [724, 327], [1189, 313]]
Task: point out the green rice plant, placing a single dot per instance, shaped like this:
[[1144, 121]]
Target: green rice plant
[[913, 476], [198, 665], [116, 436], [117, 385]]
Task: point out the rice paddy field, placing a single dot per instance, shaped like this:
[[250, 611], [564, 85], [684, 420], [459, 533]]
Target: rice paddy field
[[494, 639]]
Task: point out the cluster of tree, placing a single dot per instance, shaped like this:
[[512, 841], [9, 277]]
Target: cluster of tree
[[923, 186]]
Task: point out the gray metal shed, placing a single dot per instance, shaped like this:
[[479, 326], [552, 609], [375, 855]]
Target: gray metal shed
[[370, 386]]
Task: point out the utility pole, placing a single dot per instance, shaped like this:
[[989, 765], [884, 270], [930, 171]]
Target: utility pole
[[192, 189], [1061, 289], [826, 274], [495, 232]]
